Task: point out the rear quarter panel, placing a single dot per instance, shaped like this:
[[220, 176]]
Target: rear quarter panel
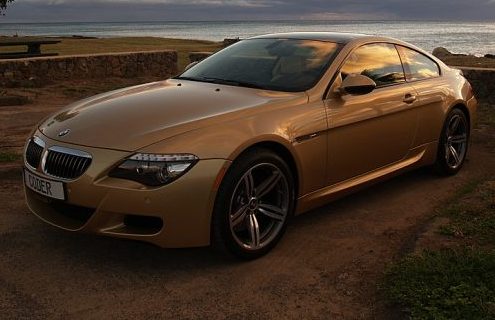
[[437, 97]]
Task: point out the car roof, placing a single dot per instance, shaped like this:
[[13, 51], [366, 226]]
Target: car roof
[[339, 37]]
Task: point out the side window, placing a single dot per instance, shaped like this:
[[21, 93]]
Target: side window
[[417, 65], [379, 61]]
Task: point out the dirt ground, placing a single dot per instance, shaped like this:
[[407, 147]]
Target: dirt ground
[[326, 267]]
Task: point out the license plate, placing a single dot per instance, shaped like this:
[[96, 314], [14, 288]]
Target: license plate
[[46, 187]]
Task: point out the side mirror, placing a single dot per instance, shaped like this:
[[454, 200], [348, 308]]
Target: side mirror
[[357, 84], [192, 64]]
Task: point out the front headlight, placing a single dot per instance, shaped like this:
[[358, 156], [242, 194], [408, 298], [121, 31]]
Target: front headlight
[[154, 169]]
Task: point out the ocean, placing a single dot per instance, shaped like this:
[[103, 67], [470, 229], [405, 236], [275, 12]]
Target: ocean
[[477, 38]]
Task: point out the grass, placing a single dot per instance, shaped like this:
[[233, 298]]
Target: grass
[[70, 46], [448, 284], [457, 282], [9, 157], [472, 213], [453, 283], [474, 217]]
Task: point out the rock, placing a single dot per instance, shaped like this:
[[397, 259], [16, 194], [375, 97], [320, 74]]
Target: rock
[[441, 52], [198, 56], [230, 41]]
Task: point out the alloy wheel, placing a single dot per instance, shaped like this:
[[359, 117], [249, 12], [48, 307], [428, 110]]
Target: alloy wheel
[[456, 142], [259, 206]]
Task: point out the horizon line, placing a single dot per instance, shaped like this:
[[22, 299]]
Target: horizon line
[[249, 20]]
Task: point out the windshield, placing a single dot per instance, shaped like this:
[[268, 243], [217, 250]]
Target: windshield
[[272, 64]]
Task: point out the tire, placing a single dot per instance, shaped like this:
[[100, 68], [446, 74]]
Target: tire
[[254, 203], [453, 144]]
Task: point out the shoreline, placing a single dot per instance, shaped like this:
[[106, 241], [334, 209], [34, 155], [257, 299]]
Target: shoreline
[[470, 37]]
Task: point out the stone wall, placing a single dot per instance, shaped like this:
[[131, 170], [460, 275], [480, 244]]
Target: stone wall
[[483, 82], [128, 65]]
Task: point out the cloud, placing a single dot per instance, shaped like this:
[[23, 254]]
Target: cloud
[[148, 10], [238, 3], [343, 16]]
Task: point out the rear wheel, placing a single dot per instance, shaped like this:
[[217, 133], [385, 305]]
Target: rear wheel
[[253, 204], [453, 144]]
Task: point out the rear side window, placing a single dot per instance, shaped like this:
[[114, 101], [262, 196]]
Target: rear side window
[[417, 65], [378, 61]]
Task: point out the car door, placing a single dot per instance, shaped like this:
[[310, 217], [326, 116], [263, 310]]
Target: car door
[[424, 75], [370, 131]]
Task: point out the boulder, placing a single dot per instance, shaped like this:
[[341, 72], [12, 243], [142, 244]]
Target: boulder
[[441, 52], [198, 56], [230, 41]]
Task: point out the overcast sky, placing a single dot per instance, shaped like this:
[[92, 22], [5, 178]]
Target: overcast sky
[[153, 10]]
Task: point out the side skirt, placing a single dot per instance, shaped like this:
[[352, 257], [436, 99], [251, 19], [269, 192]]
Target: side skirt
[[418, 157]]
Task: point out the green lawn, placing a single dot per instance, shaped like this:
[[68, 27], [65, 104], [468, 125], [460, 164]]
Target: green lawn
[[447, 284]]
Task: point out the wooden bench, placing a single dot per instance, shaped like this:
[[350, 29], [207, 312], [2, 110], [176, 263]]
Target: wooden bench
[[33, 48]]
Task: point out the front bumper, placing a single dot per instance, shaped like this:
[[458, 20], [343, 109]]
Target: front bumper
[[99, 204]]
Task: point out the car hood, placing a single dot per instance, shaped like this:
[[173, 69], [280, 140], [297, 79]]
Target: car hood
[[135, 117]]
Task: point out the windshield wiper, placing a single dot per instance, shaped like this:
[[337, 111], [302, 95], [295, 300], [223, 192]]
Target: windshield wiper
[[236, 83], [189, 78], [223, 81]]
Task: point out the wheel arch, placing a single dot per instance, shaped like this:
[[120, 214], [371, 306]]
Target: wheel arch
[[461, 106], [279, 148]]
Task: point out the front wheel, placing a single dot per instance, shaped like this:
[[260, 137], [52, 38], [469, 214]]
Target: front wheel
[[253, 204], [453, 144]]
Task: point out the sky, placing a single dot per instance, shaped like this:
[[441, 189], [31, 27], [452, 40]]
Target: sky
[[206, 10]]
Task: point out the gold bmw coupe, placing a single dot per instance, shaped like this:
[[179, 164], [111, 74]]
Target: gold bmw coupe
[[226, 152]]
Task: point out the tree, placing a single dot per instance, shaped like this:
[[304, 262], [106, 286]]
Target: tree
[[3, 5]]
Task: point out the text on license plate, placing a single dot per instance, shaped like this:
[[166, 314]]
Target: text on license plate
[[49, 188]]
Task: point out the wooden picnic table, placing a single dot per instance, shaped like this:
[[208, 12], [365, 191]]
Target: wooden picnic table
[[33, 48]]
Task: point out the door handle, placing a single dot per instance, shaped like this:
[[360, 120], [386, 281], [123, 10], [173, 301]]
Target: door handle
[[409, 98]]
